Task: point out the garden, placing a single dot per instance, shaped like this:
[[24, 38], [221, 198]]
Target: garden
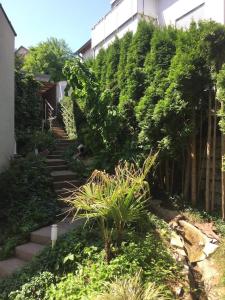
[[149, 111]]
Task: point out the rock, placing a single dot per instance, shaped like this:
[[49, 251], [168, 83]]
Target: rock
[[176, 241], [208, 229], [210, 248], [162, 212], [195, 241], [179, 291], [181, 252]]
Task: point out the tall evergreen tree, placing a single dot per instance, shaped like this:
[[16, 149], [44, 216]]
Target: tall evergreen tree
[[124, 48], [112, 63], [136, 57]]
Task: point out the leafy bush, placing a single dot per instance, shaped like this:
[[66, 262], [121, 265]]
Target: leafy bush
[[28, 107], [37, 139], [67, 111], [27, 196], [35, 289], [148, 254]]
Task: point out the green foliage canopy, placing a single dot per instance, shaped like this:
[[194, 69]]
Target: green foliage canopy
[[48, 58]]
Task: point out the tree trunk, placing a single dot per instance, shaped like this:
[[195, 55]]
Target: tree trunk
[[214, 158], [208, 157]]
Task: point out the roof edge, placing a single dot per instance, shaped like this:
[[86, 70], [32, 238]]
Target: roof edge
[[83, 47], [7, 19]]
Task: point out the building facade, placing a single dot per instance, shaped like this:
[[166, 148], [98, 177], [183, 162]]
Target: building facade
[[125, 15], [7, 132]]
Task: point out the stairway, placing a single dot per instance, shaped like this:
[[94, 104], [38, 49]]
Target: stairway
[[64, 182], [39, 239]]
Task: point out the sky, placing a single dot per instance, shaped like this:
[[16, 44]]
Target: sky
[[36, 20]]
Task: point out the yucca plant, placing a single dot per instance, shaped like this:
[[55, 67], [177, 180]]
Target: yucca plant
[[114, 200], [132, 289]]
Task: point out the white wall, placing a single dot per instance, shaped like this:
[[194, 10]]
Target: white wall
[[7, 140], [130, 26], [60, 90], [122, 18], [125, 15], [148, 7], [181, 12], [113, 20]]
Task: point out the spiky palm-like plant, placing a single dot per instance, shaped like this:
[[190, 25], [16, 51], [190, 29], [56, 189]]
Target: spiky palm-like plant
[[114, 200]]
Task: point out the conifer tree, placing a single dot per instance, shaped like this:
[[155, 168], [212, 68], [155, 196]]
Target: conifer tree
[[112, 63], [124, 48], [99, 68], [140, 46]]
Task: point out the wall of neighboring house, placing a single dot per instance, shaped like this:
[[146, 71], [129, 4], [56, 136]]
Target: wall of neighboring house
[[7, 138], [182, 12], [123, 17]]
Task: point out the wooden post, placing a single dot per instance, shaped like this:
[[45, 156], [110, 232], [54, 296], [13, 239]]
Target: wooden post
[[208, 157]]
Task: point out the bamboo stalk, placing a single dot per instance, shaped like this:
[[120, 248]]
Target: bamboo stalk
[[214, 158], [200, 158], [222, 170], [193, 171], [187, 177], [167, 176], [208, 158]]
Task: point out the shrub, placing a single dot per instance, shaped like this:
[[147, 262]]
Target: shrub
[[37, 139], [35, 289], [67, 111], [27, 196]]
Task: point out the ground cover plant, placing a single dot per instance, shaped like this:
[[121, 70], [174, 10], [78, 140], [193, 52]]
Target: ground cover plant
[[76, 268], [28, 201]]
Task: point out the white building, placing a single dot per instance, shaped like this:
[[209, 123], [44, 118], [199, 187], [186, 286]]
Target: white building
[[125, 15], [7, 136]]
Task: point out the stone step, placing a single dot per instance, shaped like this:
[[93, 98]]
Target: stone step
[[54, 156], [11, 265], [55, 161], [43, 236], [62, 146], [58, 167], [28, 251], [58, 152], [67, 184], [64, 193], [63, 141], [63, 175]]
